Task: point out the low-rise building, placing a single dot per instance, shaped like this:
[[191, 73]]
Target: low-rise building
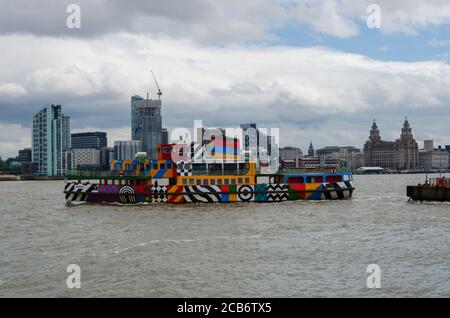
[[290, 153], [431, 158], [77, 158], [126, 149]]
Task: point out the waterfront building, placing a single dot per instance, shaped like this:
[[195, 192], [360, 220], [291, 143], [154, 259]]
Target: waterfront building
[[311, 150], [290, 153], [428, 145], [329, 151], [24, 155], [433, 159], [311, 163], [407, 149], [50, 131], [377, 152], [66, 140], [349, 156], [92, 140], [401, 154], [79, 158], [447, 147], [126, 149], [134, 100], [106, 156], [148, 125]]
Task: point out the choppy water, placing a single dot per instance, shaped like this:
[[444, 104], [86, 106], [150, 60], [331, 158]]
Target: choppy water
[[291, 249]]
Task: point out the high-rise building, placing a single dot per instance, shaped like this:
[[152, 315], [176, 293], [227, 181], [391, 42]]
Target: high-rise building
[[447, 147], [134, 100], [49, 140], [126, 149], [92, 140], [149, 125]]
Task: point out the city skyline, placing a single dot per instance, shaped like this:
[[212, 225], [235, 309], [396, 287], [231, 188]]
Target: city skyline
[[319, 77]]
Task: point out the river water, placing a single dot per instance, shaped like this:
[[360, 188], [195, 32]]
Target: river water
[[290, 249]]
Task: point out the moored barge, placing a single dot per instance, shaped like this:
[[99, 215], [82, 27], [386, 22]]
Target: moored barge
[[434, 189]]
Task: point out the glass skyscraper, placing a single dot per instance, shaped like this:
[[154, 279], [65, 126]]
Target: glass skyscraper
[[50, 139], [134, 100], [149, 125]]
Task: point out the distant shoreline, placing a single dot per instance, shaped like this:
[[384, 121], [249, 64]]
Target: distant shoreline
[[29, 178], [60, 178]]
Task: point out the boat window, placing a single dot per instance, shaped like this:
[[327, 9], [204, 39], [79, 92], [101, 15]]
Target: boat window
[[212, 182], [240, 180], [274, 179], [205, 181], [199, 167], [296, 179], [219, 181], [244, 167], [199, 182], [233, 181], [229, 168], [215, 168], [226, 181], [191, 181], [155, 166], [185, 181], [161, 166], [333, 178], [247, 180], [314, 179]]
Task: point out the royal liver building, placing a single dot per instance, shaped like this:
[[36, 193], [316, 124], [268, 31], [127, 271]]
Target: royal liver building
[[401, 154]]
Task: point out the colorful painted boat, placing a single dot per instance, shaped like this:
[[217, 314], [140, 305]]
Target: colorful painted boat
[[163, 180]]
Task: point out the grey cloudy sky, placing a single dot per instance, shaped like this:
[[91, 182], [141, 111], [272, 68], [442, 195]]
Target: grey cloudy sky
[[296, 65]]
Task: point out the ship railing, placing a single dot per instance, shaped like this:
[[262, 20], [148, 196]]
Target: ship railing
[[101, 174], [219, 173]]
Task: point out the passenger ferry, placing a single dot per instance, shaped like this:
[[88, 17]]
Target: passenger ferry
[[165, 181]]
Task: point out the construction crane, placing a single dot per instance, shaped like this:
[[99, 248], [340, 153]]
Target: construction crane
[[159, 93]]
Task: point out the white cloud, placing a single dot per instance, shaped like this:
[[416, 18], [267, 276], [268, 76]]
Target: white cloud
[[11, 90]]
